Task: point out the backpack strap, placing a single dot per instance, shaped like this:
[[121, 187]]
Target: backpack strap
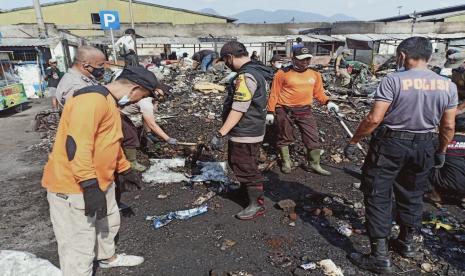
[[99, 89]]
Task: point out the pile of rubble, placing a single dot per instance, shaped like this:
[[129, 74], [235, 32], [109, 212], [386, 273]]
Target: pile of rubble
[[193, 113], [46, 123]]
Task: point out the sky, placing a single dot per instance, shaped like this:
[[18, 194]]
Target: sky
[[360, 9]]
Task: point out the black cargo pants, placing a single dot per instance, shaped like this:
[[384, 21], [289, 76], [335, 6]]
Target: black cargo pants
[[398, 166]]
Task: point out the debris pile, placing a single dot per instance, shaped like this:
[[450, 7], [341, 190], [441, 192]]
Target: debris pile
[[46, 122]]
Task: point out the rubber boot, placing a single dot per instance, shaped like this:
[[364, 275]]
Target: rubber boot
[[285, 160], [256, 204], [131, 156], [313, 157], [377, 261], [405, 244]]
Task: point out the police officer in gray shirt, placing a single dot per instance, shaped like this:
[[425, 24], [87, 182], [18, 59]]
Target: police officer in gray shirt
[[409, 106], [87, 69]]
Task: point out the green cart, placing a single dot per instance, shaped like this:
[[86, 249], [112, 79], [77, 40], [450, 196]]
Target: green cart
[[12, 96], [12, 93]]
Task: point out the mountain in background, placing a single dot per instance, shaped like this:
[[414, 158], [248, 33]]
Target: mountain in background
[[282, 16], [209, 11]]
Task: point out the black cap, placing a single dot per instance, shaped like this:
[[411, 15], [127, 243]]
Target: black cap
[[233, 48], [277, 58], [141, 76], [130, 31], [302, 53]]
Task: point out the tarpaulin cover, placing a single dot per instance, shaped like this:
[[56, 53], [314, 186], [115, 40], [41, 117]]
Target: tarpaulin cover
[[359, 44]]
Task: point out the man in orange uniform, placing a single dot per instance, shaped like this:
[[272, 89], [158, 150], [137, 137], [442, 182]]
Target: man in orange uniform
[[80, 172], [291, 101]]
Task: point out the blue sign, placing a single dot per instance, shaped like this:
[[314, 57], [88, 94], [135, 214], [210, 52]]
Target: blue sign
[[109, 20]]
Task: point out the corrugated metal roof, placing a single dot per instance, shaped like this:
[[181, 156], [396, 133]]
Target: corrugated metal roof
[[327, 38], [450, 36], [261, 39], [436, 13], [27, 42], [228, 19], [305, 38], [381, 37], [277, 39], [168, 40], [458, 42]]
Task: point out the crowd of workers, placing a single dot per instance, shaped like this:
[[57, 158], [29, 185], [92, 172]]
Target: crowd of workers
[[412, 126]]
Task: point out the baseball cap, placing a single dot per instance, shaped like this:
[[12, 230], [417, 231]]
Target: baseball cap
[[455, 60], [302, 53], [141, 76], [232, 48], [276, 58]]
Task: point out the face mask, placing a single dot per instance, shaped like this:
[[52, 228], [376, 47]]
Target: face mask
[[278, 65], [97, 73], [124, 100]]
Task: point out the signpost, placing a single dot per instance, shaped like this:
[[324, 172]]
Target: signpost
[[109, 20]]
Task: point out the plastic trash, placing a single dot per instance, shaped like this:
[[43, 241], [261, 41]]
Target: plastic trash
[[212, 171], [308, 266], [330, 268], [160, 221], [345, 230]]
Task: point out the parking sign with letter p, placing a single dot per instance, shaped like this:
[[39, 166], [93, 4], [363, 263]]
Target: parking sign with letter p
[[109, 20]]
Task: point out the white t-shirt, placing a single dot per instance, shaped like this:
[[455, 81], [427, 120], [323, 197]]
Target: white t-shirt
[[127, 41], [144, 107]]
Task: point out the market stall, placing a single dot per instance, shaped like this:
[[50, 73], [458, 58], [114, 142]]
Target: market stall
[[12, 93]]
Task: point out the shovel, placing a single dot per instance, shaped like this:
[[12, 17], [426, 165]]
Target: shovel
[[354, 171], [344, 126]]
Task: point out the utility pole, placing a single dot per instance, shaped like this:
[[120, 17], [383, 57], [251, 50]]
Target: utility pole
[[40, 19], [415, 16], [131, 14], [399, 9]]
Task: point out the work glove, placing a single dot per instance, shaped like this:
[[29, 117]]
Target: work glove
[[125, 210], [332, 107], [172, 141], [129, 181], [349, 151], [269, 119], [217, 142], [439, 160], [95, 201]]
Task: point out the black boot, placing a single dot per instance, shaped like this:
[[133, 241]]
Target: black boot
[[405, 244], [256, 204], [377, 261]]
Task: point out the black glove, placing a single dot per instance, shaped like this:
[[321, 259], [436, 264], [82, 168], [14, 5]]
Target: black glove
[[349, 151], [94, 199], [129, 181], [439, 160], [217, 142]]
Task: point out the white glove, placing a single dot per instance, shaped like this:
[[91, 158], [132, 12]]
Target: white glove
[[269, 119], [333, 107]]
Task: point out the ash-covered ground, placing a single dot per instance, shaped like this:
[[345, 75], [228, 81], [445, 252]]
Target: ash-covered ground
[[275, 244]]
